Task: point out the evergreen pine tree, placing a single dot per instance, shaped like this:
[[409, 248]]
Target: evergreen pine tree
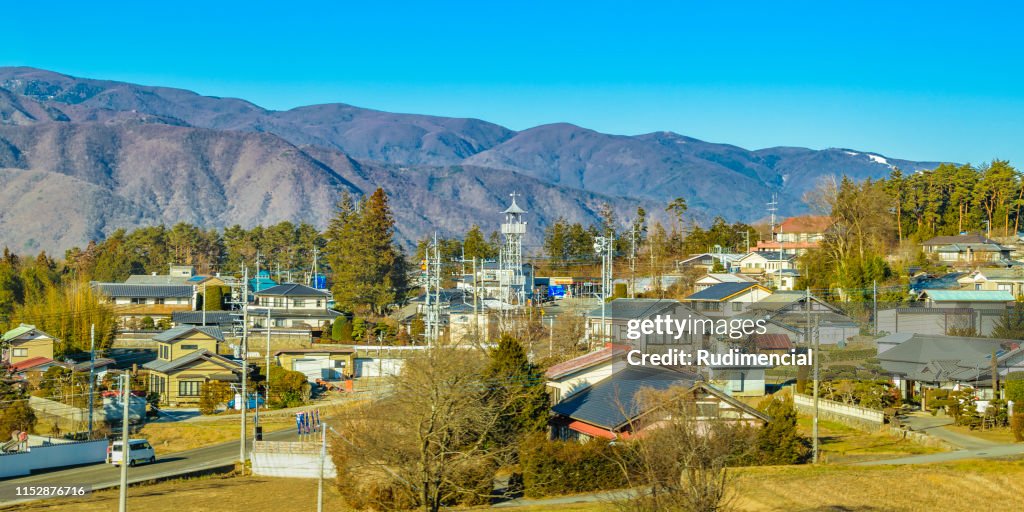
[[513, 379]]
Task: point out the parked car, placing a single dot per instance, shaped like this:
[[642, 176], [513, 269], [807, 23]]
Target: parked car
[[254, 402], [139, 450]]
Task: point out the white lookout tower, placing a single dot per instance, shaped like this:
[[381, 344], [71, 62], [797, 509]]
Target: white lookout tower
[[513, 229]]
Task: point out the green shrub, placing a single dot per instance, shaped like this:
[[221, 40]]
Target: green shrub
[[1017, 426], [1014, 390], [565, 467], [147, 323]]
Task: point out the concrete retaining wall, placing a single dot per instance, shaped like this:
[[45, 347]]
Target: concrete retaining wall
[[852, 415], [52, 456], [290, 459]]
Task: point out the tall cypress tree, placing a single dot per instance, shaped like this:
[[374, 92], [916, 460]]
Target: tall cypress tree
[[369, 269]]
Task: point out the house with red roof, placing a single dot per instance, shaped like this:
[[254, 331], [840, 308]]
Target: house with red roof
[[797, 234]]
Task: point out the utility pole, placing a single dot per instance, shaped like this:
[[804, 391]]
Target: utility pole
[[126, 389], [92, 372], [266, 386], [323, 455], [204, 304], [245, 362], [874, 306], [476, 310], [816, 397], [632, 263], [771, 210]]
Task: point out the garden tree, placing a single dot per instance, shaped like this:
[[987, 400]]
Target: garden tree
[[369, 269], [341, 329], [66, 311], [213, 298], [148, 323], [850, 256], [213, 395], [779, 442], [15, 413], [683, 463], [1010, 325], [677, 207], [720, 235], [11, 290], [516, 388], [476, 246], [287, 388], [430, 443], [557, 244], [995, 193]]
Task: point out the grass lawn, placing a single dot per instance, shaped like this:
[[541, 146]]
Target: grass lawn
[[926, 488], [1001, 435], [186, 435], [840, 443], [993, 486]]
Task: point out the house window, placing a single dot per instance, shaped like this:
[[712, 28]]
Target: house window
[[159, 300], [737, 306], [165, 352], [1004, 287], [19, 352], [278, 302], [299, 303], [189, 388], [319, 303], [190, 347], [138, 300]]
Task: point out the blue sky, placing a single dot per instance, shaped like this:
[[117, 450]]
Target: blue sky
[[931, 81]]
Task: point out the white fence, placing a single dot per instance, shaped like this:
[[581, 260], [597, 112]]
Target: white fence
[[290, 460], [854, 415], [50, 456]]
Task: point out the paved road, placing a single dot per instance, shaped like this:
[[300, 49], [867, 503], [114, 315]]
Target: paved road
[[994, 451], [935, 426], [105, 475]]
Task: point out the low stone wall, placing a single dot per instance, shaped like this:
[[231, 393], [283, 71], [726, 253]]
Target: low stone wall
[[852, 415]]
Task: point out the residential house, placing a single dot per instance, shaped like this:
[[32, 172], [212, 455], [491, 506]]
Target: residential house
[[613, 407], [727, 299], [796, 235], [738, 380], [566, 378], [966, 249], [25, 342], [187, 360], [719, 278], [760, 263], [179, 274], [292, 306], [323, 363], [618, 313], [771, 343], [223, 319], [793, 309], [1000, 279], [134, 302], [32, 369], [706, 261], [966, 311], [466, 324], [919, 361]]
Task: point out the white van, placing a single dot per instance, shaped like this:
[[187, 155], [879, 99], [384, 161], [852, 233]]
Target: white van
[[139, 450]]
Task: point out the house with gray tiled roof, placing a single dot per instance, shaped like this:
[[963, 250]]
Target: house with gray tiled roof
[[618, 313], [292, 306], [187, 360], [968, 248], [917, 361], [613, 407], [133, 302]]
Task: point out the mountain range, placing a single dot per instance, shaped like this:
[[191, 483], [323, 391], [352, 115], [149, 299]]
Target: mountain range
[[82, 157]]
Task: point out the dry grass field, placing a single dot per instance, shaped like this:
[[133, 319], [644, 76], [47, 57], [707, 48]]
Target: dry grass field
[[965, 486], [186, 435]]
